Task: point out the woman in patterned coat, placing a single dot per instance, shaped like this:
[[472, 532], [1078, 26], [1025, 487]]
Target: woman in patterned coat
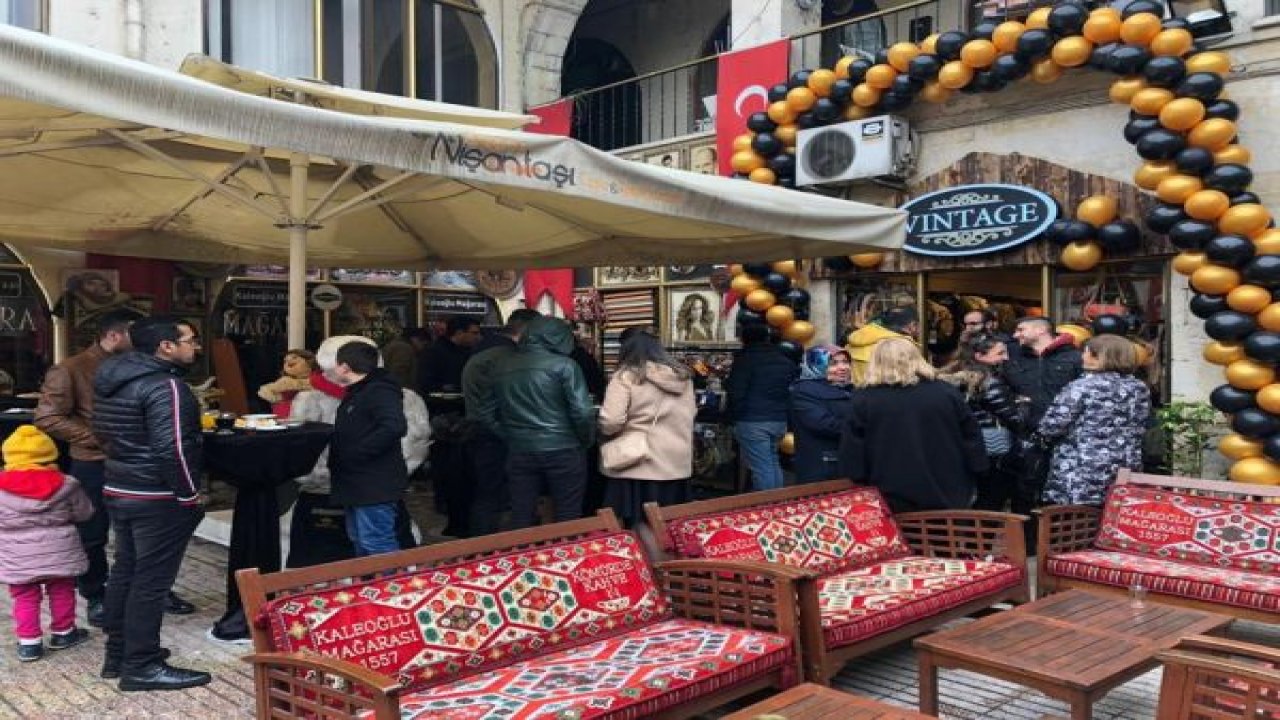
[[1098, 422]]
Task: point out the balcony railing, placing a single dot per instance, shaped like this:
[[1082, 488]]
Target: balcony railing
[[866, 35]]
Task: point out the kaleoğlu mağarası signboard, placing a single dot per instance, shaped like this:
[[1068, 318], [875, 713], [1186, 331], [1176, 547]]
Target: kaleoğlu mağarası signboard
[[976, 219]]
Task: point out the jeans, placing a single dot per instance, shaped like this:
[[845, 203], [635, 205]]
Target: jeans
[[489, 466], [372, 528], [151, 539], [93, 532], [562, 472], [758, 443], [27, 599]]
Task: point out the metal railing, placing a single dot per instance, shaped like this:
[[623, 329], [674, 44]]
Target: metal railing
[[867, 34], [650, 108]]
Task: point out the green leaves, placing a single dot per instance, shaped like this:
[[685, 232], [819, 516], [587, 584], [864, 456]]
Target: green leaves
[[1187, 428]]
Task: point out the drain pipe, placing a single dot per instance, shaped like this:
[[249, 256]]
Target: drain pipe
[[135, 30]]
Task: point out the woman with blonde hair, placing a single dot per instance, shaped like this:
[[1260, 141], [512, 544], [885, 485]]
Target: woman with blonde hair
[[910, 434], [1098, 422]]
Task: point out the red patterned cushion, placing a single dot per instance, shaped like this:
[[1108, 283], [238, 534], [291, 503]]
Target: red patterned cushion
[[634, 675], [863, 603], [1174, 526], [825, 533], [1171, 577], [444, 622]]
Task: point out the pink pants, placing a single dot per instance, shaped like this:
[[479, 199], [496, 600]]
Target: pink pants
[[27, 599]]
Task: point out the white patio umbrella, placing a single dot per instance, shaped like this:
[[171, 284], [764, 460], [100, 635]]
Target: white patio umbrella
[[103, 154]]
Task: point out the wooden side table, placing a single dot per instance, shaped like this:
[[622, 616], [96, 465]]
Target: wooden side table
[[815, 702]]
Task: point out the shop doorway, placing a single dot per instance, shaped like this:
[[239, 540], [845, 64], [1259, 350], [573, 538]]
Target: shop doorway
[[1009, 293]]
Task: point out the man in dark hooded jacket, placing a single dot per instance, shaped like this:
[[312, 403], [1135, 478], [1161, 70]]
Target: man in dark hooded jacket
[[545, 417]]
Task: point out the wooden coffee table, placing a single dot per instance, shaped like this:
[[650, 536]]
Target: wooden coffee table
[[1075, 646], [815, 702]]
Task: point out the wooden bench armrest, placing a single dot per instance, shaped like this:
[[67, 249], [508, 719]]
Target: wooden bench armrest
[[1067, 528], [1227, 646], [743, 593], [965, 534], [1209, 672], [311, 685]]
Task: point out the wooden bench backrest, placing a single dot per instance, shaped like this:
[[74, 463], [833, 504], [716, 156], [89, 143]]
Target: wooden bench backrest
[[1204, 488], [257, 588]]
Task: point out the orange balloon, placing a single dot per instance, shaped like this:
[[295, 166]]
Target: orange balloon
[[1249, 299], [866, 261], [1123, 90], [934, 92], [1233, 155], [1213, 134], [1148, 176], [1182, 114], [1268, 398], [1269, 318], [764, 176], [841, 68], [1079, 335], [1039, 19], [1255, 471], [1186, 263], [801, 99], [786, 267], [1140, 29], [735, 270], [1071, 51], [780, 316], [744, 284], [1081, 256], [787, 445], [1206, 204], [800, 331], [820, 82], [786, 134], [1239, 447], [1005, 36], [1102, 27], [978, 54], [901, 54], [856, 112], [1267, 242], [1173, 43], [1247, 219], [760, 300], [865, 96], [881, 77], [1177, 188], [1212, 62], [1250, 374], [1097, 210], [1149, 101], [745, 161], [929, 45], [1045, 71], [1220, 353], [1215, 279], [955, 75], [781, 113], [743, 142]]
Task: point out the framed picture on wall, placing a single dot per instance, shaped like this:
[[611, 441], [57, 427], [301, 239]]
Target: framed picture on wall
[[687, 273], [693, 316], [672, 158], [624, 275], [461, 280], [189, 294], [703, 159]]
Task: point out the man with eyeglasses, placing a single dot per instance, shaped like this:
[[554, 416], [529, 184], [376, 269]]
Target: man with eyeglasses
[[148, 422]]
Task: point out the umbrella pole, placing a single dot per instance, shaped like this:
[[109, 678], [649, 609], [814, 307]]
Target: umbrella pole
[[298, 226]]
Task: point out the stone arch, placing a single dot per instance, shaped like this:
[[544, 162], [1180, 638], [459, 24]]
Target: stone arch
[[549, 28]]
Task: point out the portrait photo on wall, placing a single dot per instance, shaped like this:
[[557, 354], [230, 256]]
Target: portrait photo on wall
[[687, 273], [450, 280], [666, 158], [189, 294], [623, 275], [694, 317], [703, 159]]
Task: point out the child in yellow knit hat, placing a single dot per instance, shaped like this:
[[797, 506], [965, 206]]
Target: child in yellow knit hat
[[40, 551]]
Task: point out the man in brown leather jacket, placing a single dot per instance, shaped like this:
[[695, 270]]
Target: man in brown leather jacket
[[65, 411]]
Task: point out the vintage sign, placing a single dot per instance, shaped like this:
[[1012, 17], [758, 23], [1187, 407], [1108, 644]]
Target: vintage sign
[[456, 304], [976, 219]]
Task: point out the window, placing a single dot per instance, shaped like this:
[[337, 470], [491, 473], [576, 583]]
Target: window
[[1273, 7], [29, 14]]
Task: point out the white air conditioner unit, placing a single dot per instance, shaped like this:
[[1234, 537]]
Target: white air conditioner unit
[[875, 147]]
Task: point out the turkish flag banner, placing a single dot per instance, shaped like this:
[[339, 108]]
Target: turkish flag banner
[[557, 118], [742, 87]]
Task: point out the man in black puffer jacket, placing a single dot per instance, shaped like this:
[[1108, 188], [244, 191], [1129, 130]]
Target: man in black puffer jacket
[[148, 423]]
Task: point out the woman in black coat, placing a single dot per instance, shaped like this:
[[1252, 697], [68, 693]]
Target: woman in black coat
[[819, 410], [911, 435]]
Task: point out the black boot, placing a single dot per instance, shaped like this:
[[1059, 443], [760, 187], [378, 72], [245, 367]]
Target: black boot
[[162, 676], [111, 666], [177, 606]]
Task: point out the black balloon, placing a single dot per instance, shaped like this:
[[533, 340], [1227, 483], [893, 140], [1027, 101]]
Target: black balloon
[[1129, 59], [1224, 109], [1010, 68], [787, 181], [842, 91], [1100, 58], [839, 263], [1139, 126], [1109, 325], [1263, 346], [1246, 198], [766, 144], [747, 316], [1075, 231], [825, 110], [1230, 326], [1067, 19], [1053, 233], [985, 29], [1120, 236], [799, 79], [1205, 306], [802, 313], [1263, 270], [1034, 45], [924, 67], [1231, 400], [858, 70], [1271, 447], [949, 45], [882, 56], [806, 120], [777, 283], [1161, 144], [1142, 6], [1203, 86], [793, 351], [1175, 24], [1255, 423], [798, 298], [906, 85], [1194, 161], [757, 270], [1231, 250], [1192, 234], [778, 92], [784, 164], [1230, 178], [892, 101], [1162, 217], [987, 81], [1164, 71], [760, 122]]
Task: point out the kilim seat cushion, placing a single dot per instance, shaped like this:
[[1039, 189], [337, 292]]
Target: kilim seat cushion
[[824, 533], [632, 675], [1254, 590], [864, 602]]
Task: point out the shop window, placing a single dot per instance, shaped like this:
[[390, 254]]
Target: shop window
[[1011, 294], [378, 314], [273, 37], [26, 338], [865, 299], [29, 14], [981, 10]]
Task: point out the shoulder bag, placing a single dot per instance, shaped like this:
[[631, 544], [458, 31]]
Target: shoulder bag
[[629, 448]]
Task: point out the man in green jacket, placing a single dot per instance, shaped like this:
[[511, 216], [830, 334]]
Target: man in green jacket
[[544, 415]]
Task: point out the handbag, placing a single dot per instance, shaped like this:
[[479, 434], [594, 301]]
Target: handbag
[[629, 448], [1101, 302], [998, 440]]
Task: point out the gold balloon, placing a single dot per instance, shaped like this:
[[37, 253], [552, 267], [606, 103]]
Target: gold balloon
[[865, 96], [929, 45], [780, 316], [1213, 134], [1173, 43], [1233, 155], [764, 176], [786, 267], [1211, 62], [1097, 210], [1249, 299], [1247, 219], [1239, 447], [1039, 19], [1046, 71], [1268, 398], [1102, 27], [1177, 188], [881, 77], [743, 142], [1148, 176], [1071, 51], [1149, 101], [800, 332], [820, 82], [1079, 334], [735, 270], [866, 261], [1267, 242], [1206, 204], [1269, 318], [1215, 279], [934, 92], [1255, 471], [856, 112], [744, 284], [746, 161], [1186, 263], [781, 112], [1140, 29], [760, 300], [787, 445], [801, 99], [1123, 90], [786, 134], [978, 54], [1182, 114], [1005, 37], [955, 75], [1249, 374], [841, 68], [901, 54], [1220, 353], [1081, 256]]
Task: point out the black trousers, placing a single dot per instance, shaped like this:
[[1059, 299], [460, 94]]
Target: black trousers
[[488, 456], [151, 539], [93, 532], [998, 485], [562, 472]]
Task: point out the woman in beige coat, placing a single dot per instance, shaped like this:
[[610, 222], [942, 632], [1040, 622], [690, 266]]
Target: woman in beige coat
[[649, 402]]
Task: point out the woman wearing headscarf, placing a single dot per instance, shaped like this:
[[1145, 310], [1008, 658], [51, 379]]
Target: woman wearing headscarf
[[819, 410]]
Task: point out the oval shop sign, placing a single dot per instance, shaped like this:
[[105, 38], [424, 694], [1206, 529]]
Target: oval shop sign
[[976, 219]]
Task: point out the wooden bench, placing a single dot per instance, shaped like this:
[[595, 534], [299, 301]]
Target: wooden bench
[[871, 579], [1198, 543], [1219, 678], [571, 615]]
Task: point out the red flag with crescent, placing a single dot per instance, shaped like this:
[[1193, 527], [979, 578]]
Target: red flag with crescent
[[742, 87]]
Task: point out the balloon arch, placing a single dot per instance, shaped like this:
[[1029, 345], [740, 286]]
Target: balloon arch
[[1182, 126]]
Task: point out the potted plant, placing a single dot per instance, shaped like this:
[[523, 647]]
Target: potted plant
[[1187, 429]]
